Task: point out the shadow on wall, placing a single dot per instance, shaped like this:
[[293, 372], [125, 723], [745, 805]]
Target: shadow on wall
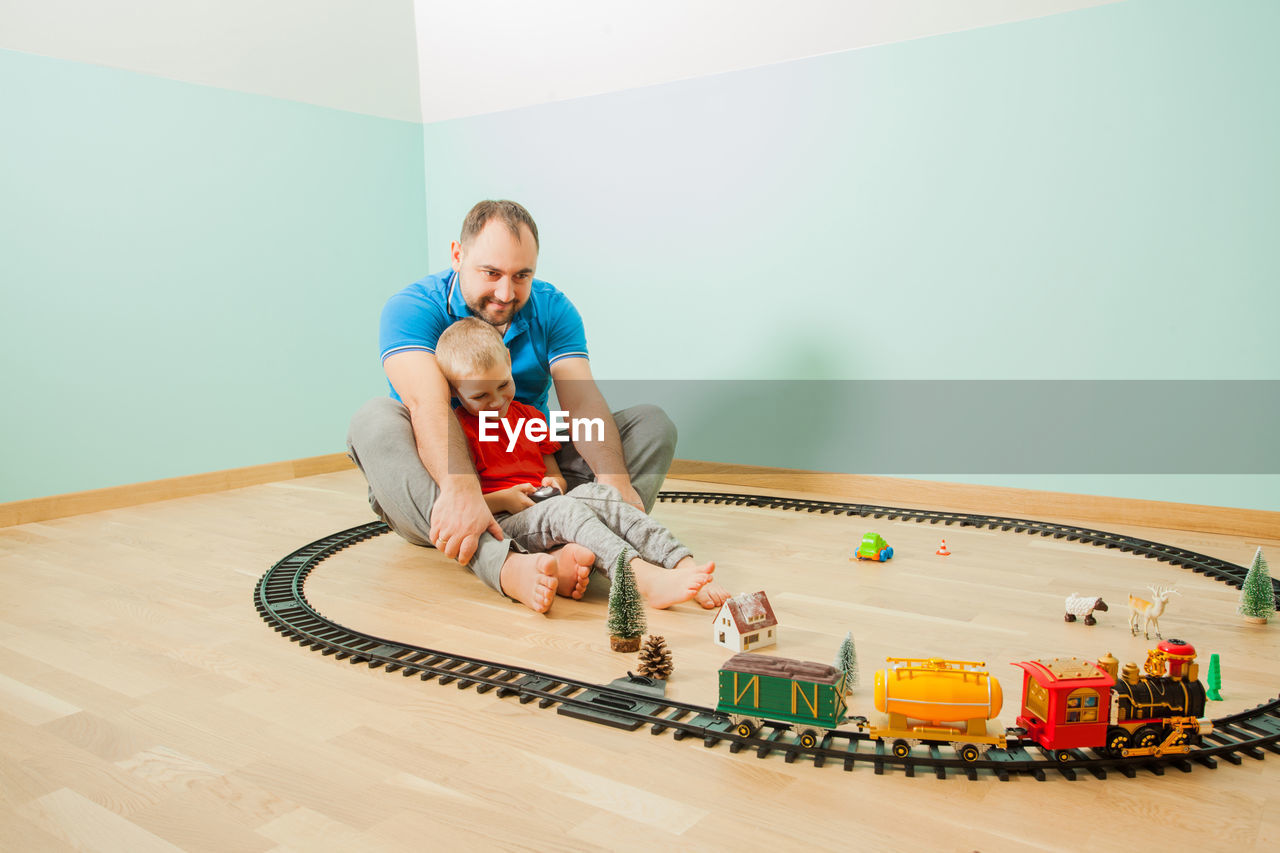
[[792, 413], [1093, 427]]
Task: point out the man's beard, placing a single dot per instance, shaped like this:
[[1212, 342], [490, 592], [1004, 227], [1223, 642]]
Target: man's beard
[[494, 316]]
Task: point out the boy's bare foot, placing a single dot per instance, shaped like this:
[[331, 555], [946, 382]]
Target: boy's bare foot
[[662, 588], [573, 569], [530, 579], [712, 595]]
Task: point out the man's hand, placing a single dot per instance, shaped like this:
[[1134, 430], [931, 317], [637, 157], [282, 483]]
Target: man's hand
[[458, 518], [623, 485]]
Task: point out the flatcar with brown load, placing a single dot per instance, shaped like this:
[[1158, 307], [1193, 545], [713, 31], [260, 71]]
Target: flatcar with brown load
[[809, 696]]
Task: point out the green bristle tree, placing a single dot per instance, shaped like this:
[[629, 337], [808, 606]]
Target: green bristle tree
[[626, 621], [847, 662], [1257, 596]]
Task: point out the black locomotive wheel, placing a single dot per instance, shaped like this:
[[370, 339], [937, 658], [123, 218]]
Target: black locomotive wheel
[[745, 729], [901, 748], [1117, 740], [1062, 755], [1147, 736], [969, 752], [809, 739]]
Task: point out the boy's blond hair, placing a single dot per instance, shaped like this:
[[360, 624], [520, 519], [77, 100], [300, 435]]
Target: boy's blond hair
[[470, 347]]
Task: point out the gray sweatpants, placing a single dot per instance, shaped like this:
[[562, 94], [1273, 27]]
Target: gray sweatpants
[[380, 441], [594, 516]]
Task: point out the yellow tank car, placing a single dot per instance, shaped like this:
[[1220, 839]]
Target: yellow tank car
[[931, 700], [937, 691]]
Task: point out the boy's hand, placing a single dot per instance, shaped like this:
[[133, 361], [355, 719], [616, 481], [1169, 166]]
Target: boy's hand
[[517, 497], [558, 482]]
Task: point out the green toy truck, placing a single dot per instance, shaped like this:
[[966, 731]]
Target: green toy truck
[[874, 547]]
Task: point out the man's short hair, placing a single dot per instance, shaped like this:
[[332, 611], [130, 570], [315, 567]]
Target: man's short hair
[[470, 347], [512, 214]]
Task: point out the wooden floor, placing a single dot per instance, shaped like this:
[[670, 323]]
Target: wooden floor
[[144, 705]]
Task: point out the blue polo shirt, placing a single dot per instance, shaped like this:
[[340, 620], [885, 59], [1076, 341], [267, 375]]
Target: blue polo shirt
[[547, 329]]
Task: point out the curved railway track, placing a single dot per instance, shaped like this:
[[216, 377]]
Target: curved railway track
[[281, 601]]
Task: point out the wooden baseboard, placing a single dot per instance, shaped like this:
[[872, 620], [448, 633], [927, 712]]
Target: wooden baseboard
[[995, 500], [95, 500]]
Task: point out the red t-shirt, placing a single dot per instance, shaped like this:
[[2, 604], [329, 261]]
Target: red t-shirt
[[497, 468]]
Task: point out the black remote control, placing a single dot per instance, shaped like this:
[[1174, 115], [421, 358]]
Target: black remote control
[[543, 493]]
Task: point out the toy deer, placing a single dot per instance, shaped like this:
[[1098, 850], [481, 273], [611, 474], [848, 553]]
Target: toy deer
[[1148, 612]]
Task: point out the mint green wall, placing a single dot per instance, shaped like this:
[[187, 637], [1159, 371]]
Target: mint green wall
[[1090, 195], [191, 276]]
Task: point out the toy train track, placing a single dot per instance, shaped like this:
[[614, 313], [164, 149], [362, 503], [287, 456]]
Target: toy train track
[[1200, 563], [280, 600]]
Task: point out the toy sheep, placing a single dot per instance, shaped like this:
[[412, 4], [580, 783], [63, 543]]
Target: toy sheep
[[1084, 605]]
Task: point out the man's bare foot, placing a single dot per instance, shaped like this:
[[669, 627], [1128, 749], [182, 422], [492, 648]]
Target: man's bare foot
[[530, 579], [662, 588], [573, 569]]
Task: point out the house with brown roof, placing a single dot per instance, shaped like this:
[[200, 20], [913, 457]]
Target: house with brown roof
[[745, 622]]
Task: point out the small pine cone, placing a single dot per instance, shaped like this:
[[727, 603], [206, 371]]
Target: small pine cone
[[655, 658]]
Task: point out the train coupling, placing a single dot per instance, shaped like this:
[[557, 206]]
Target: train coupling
[[1204, 725]]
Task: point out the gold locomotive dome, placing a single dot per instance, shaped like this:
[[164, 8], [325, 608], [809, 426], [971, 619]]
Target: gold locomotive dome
[[936, 690]]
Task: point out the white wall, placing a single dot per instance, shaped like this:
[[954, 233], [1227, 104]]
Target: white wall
[[1083, 196], [482, 57], [357, 56], [470, 58]]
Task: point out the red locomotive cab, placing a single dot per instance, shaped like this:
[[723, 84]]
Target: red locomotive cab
[[1181, 657], [1065, 703]]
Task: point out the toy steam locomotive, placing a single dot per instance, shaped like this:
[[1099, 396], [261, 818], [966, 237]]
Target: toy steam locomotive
[[1066, 703]]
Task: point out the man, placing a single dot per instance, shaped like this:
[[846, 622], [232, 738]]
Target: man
[[411, 449]]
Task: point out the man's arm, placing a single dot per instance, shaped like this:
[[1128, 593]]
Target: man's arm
[[580, 396], [459, 515]]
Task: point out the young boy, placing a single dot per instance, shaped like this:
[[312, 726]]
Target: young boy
[[592, 523]]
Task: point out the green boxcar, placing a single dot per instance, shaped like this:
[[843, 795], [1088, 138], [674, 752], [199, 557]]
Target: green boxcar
[[763, 687]]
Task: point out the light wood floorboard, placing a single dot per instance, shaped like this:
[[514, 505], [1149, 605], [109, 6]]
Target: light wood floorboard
[[145, 705]]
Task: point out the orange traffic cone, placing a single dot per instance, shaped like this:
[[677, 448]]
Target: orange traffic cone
[[942, 550]]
